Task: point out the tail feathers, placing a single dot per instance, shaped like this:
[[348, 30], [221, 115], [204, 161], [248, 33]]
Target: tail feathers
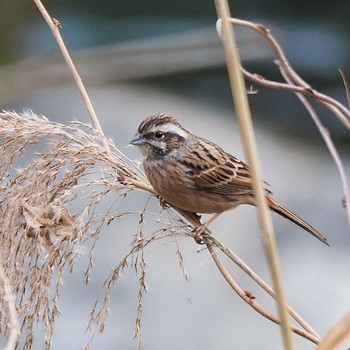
[[279, 209]]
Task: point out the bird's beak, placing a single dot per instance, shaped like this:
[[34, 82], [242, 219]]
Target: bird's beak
[[137, 140]]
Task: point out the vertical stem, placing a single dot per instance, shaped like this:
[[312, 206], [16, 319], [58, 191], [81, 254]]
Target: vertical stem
[[243, 114], [78, 81]]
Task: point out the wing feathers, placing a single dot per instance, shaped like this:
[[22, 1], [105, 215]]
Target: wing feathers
[[214, 170]]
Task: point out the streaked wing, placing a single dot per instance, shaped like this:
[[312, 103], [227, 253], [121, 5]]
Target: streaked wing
[[219, 172]]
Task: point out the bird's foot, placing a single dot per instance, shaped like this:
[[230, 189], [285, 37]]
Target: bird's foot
[[198, 233], [162, 202]]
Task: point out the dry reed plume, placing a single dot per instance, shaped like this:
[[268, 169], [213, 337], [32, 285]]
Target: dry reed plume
[[50, 206]]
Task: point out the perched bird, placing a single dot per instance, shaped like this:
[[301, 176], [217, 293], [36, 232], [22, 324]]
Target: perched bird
[[196, 175]]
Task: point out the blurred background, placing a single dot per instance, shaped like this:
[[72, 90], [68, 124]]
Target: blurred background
[[137, 58]]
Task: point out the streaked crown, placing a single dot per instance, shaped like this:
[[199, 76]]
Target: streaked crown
[[161, 122], [162, 134]]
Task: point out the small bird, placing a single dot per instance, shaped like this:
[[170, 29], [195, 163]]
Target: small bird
[[196, 175]]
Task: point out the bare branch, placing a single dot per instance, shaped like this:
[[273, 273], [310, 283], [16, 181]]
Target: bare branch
[[330, 145], [299, 85], [55, 27], [251, 301]]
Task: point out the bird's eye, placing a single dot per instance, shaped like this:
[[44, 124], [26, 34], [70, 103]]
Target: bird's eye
[[158, 135]]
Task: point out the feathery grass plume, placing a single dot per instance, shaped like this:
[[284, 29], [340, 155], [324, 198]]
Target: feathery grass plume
[[69, 170]]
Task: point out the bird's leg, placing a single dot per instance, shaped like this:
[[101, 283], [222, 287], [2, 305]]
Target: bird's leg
[[200, 229], [162, 201]]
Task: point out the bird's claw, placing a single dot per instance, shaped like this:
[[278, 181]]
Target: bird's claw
[[198, 234], [162, 202]]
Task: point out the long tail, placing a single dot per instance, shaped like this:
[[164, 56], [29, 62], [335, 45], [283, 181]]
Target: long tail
[[279, 209]]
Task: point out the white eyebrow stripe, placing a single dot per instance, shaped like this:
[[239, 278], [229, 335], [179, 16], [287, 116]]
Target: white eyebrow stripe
[[172, 128]]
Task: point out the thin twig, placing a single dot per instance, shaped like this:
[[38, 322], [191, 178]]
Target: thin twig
[[346, 85], [259, 281], [252, 302], [55, 26], [329, 143], [300, 85], [213, 242]]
